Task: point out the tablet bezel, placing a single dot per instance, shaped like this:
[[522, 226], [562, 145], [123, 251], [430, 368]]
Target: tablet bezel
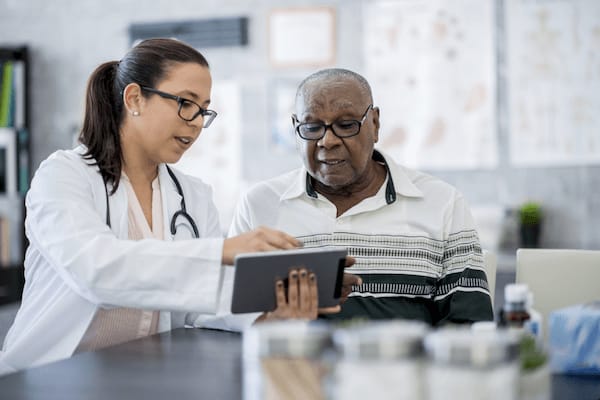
[[256, 273]]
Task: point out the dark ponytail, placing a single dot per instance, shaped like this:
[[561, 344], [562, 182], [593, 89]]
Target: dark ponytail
[[145, 64], [100, 132]]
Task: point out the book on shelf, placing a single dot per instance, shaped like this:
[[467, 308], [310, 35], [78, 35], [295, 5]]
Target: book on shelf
[[4, 242], [23, 160], [14, 151], [12, 93], [14, 136], [8, 161]]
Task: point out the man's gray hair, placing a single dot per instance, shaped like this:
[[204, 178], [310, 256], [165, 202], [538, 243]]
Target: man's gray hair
[[333, 74]]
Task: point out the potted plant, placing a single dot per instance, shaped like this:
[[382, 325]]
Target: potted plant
[[530, 218]]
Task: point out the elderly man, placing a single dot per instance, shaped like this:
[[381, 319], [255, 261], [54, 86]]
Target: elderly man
[[412, 235]]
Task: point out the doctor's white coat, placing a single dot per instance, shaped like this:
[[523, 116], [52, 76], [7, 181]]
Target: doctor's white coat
[[76, 264]]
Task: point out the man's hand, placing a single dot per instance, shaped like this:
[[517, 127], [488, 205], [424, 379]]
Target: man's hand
[[301, 300], [349, 280]]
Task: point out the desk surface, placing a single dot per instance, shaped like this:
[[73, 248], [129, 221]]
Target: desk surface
[[182, 364]]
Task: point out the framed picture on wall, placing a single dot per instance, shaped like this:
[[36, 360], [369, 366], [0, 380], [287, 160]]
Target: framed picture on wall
[[8, 162], [302, 37]]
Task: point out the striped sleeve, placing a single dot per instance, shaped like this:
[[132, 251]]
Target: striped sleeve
[[462, 293]]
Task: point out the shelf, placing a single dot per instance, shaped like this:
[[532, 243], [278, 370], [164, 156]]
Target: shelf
[[12, 280], [15, 148]]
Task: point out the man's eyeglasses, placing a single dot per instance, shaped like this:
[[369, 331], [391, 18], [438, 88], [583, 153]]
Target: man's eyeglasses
[[342, 128], [188, 109]]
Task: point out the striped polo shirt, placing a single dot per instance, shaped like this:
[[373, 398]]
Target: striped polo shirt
[[415, 243]]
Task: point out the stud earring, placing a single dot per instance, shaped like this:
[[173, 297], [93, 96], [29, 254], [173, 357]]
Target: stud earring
[[135, 113]]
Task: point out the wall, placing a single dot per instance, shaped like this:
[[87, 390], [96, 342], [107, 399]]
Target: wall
[[69, 38]]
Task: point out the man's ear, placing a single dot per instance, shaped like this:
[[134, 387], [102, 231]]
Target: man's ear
[[298, 140], [133, 99], [375, 119]]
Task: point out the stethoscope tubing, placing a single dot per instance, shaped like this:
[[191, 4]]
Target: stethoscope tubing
[[182, 212]]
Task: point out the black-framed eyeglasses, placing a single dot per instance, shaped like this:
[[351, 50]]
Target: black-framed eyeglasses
[[188, 110], [343, 128]]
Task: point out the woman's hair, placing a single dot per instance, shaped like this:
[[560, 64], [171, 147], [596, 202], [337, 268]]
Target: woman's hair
[[145, 64]]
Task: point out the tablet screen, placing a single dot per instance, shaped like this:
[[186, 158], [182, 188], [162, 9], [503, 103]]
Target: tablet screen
[[256, 274]]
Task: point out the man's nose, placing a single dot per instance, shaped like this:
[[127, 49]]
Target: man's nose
[[329, 138]]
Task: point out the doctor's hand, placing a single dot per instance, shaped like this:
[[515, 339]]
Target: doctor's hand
[[301, 300], [260, 239]]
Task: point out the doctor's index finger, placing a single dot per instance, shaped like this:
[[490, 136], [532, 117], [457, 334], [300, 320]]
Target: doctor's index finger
[[280, 239]]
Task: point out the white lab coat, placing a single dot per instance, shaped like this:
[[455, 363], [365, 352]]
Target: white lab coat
[[76, 264]]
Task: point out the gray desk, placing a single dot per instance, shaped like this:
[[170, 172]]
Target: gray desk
[[182, 364]]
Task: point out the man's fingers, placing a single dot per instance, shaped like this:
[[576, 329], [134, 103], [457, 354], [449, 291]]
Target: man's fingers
[[301, 300], [351, 279], [293, 289], [304, 292], [280, 294], [350, 261], [314, 295], [330, 310]]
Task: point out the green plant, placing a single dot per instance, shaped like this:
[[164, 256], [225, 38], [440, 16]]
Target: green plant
[[530, 355], [530, 213]]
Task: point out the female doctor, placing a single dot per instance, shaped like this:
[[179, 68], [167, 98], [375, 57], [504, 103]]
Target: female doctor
[[121, 245]]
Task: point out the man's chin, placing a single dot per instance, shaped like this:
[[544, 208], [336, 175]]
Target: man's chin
[[332, 183]]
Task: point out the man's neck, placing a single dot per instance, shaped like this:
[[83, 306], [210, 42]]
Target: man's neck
[[347, 197]]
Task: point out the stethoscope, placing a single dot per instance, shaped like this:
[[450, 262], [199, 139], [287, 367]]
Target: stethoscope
[[181, 213]]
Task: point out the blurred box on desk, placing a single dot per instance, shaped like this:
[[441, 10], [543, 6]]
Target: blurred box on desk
[[575, 339], [489, 220]]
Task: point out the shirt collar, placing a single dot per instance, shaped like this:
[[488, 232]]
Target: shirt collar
[[398, 182], [403, 182]]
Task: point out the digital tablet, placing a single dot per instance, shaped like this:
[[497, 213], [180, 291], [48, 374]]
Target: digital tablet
[[256, 274]]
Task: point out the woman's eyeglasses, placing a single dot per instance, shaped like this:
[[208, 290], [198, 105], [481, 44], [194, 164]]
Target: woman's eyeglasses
[[188, 109]]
